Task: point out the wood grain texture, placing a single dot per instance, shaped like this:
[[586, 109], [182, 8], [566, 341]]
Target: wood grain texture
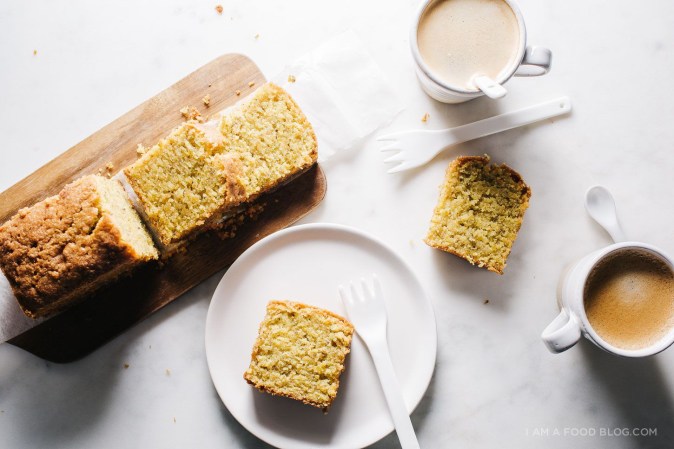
[[88, 325]]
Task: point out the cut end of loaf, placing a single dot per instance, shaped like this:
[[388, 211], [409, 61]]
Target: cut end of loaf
[[66, 246], [202, 171]]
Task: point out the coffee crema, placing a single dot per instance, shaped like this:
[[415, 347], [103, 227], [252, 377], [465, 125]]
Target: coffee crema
[[460, 39], [629, 299]]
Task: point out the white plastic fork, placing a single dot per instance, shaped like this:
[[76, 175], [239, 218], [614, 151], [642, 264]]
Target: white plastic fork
[[415, 148], [367, 312]]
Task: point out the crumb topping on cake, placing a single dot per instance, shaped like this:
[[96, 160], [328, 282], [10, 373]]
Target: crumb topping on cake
[[50, 250]]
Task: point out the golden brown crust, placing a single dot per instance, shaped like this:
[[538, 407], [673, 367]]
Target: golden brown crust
[[52, 249]]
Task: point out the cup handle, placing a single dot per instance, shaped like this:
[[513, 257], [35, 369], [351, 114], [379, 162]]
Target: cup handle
[[536, 62], [562, 333]]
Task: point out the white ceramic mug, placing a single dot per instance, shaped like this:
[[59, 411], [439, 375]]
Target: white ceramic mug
[[572, 322], [530, 61]]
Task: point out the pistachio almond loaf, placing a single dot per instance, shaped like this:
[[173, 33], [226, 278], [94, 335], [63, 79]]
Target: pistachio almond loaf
[[59, 250]]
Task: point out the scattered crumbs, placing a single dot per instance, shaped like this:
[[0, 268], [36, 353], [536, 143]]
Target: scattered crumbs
[[425, 118], [257, 36], [206, 100], [218, 9], [190, 113], [210, 84], [140, 149], [34, 52], [149, 347], [174, 419], [168, 372], [251, 83], [109, 166], [126, 366], [291, 78], [237, 92], [486, 301], [99, 172], [227, 229]]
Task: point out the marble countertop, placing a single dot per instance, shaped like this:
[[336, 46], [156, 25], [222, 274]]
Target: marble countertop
[[495, 384]]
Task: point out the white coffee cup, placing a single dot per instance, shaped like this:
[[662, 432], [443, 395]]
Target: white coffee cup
[[572, 322], [529, 61]]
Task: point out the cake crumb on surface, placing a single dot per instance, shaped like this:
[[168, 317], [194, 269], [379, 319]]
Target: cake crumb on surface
[[34, 52], [237, 92], [218, 9], [486, 301], [206, 100], [168, 372], [140, 149], [425, 117], [190, 113], [291, 78], [126, 366], [251, 83], [257, 36]]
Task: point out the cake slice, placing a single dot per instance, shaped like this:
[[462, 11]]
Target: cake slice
[[479, 212], [59, 250], [204, 172], [299, 353]]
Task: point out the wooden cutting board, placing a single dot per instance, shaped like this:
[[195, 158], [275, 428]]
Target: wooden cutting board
[[88, 325]]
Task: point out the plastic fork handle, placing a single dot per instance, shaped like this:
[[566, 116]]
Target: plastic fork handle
[[509, 120], [393, 394]]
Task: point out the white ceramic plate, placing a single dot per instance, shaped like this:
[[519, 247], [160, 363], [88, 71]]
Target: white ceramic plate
[[306, 263]]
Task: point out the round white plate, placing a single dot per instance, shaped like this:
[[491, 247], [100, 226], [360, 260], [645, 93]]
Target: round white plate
[[306, 263]]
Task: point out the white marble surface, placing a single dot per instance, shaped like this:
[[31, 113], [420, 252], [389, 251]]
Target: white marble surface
[[495, 384]]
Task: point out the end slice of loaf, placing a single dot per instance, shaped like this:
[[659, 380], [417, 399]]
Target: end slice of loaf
[[299, 353], [59, 250], [479, 212], [203, 172]]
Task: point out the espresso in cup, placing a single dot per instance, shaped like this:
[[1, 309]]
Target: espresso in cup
[[629, 298], [461, 39]]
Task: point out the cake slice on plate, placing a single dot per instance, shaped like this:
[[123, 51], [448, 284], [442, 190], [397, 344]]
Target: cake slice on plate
[[299, 353]]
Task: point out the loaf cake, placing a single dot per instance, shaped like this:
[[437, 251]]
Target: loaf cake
[[203, 172], [299, 353], [66, 246], [479, 212]]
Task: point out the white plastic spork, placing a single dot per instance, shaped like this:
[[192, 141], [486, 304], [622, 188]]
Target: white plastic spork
[[415, 148]]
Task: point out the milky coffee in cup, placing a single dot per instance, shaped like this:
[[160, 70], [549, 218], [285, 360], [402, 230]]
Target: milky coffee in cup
[[629, 298], [459, 39]]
